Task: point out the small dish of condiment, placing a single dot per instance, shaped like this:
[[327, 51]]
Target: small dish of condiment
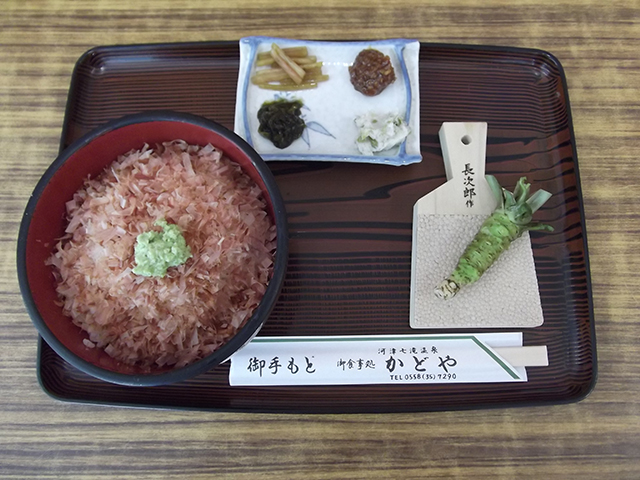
[[298, 100]]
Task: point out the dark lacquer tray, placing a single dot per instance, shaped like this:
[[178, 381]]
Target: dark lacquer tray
[[350, 224]]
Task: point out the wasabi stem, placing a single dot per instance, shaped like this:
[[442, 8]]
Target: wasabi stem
[[509, 221]]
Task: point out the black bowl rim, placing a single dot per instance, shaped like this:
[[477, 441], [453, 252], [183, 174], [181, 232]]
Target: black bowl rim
[[251, 327]]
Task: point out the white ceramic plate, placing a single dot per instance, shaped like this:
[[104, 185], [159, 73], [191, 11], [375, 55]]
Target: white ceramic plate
[[330, 109]]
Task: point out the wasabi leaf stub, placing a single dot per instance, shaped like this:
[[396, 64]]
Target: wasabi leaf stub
[[155, 251]]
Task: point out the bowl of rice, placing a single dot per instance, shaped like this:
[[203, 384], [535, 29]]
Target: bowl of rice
[[152, 249]]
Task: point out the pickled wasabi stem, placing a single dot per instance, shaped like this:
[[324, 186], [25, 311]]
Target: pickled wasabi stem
[[509, 221]]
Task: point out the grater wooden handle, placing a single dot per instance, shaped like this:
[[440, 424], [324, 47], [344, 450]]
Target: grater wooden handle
[[464, 147], [466, 191]]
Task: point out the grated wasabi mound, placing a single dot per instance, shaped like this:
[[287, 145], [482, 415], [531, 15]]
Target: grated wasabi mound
[[155, 251]]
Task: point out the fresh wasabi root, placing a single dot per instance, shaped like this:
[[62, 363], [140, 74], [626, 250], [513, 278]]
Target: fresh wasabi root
[[509, 221]]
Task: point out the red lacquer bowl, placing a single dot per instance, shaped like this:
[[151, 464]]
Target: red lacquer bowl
[[44, 222]]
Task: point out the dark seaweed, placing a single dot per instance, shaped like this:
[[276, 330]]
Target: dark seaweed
[[281, 122]]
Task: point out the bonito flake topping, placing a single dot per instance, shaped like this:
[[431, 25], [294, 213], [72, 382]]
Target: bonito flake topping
[[198, 305]]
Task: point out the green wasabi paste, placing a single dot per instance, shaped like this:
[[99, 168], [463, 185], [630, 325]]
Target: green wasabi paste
[[155, 251]]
